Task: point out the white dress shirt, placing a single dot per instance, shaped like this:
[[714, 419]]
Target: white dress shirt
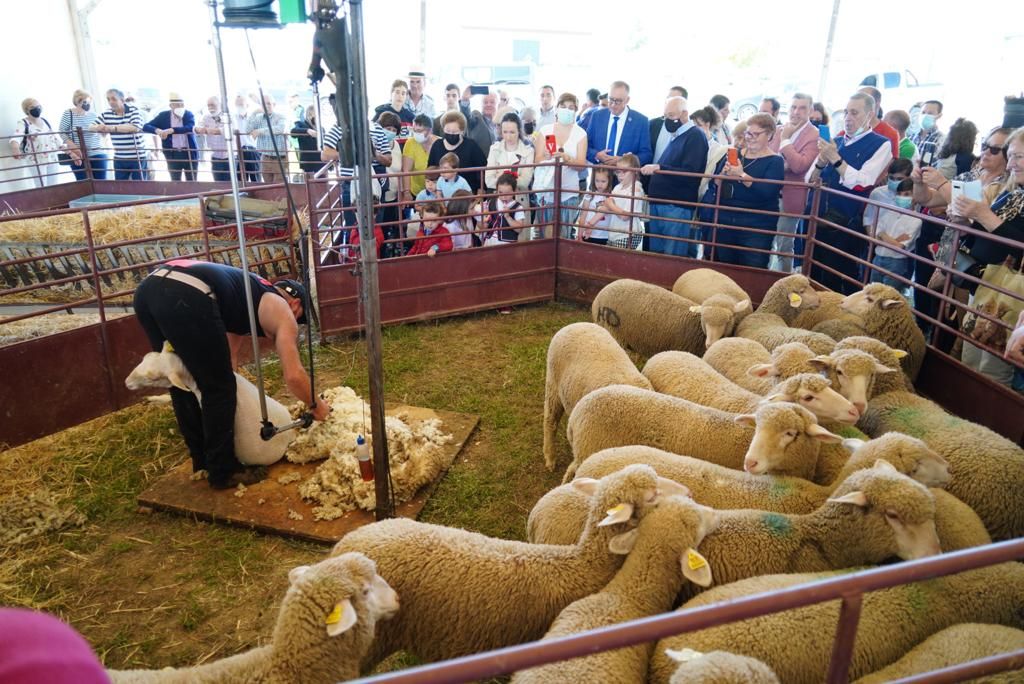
[[869, 172]]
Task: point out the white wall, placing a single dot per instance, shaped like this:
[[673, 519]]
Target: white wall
[[38, 53]]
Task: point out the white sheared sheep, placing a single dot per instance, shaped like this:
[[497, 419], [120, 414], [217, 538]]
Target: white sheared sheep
[[663, 556], [463, 592], [788, 297], [323, 630], [699, 284], [952, 646], [886, 315], [771, 331], [648, 319], [797, 643], [582, 357], [718, 667], [683, 375], [559, 516], [165, 369], [786, 440], [732, 357]]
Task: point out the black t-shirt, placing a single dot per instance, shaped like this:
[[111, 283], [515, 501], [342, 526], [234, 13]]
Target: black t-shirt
[[470, 156], [406, 116], [229, 288]]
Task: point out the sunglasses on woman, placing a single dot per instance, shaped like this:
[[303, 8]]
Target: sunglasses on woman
[[994, 149]]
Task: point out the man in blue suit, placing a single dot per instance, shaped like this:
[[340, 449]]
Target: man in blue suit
[[614, 131], [174, 126]]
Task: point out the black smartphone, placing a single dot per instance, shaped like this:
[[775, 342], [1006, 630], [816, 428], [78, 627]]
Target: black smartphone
[[479, 90]]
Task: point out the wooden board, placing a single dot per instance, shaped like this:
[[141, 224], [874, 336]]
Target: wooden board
[[176, 492]]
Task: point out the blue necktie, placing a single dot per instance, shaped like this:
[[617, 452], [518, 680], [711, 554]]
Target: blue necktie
[[611, 137]]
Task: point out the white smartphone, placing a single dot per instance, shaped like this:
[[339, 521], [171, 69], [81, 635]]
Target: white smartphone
[[956, 191]]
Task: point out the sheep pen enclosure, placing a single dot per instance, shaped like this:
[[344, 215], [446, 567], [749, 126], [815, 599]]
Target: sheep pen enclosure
[[154, 589]]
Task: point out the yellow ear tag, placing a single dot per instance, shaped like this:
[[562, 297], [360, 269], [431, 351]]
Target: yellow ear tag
[[615, 509], [795, 299], [335, 616], [694, 560], [167, 346]]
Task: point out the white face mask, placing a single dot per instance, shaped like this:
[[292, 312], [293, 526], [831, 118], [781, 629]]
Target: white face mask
[[179, 112], [420, 137]]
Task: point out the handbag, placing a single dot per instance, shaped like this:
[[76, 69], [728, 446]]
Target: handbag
[[995, 303], [64, 158]]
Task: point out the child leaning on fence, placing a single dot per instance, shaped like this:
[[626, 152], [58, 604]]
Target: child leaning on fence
[[627, 202], [432, 237], [593, 221], [898, 230], [505, 215]]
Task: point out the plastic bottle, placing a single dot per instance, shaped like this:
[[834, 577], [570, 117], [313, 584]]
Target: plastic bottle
[[363, 456]]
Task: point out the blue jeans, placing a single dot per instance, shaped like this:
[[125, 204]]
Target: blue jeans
[[567, 214], [679, 227], [130, 169], [98, 164], [902, 266], [221, 170]]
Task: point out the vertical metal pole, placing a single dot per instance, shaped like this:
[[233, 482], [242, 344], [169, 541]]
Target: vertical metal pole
[[423, 33], [812, 228], [239, 220], [828, 49], [846, 635], [360, 140]]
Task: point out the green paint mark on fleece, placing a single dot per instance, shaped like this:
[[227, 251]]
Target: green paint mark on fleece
[[778, 525], [917, 597], [780, 488], [907, 420], [850, 432]]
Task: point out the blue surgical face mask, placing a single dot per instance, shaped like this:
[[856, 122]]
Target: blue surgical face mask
[[565, 116], [927, 121], [390, 135], [903, 201], [893, 184]]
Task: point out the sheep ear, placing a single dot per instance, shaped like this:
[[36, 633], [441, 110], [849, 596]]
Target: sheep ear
[[882, 464], [900, 354], [696, 568], [296, 573], [617, 514], [822, 362], [746, 419], [694, 309], [852, 443], [761, 370], [821, 434], [585, 485], [740, 307], [178, 381], [890, 303], [669, 487], [795, 300], [683, 656], [857, 498], [880, 368], [341, 619], [779, 396], [622, 544], [166, 348]]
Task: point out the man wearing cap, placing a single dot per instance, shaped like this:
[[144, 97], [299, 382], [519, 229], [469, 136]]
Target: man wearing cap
[[419, 102], [174, 127], [199, 308]]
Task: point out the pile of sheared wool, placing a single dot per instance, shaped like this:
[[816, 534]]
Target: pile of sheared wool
[[415, 452], [26, 516]]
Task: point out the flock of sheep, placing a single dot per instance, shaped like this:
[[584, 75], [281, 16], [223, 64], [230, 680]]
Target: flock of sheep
[[727, 466]]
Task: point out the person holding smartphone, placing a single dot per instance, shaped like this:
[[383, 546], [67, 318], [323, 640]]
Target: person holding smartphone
[[569, 143]]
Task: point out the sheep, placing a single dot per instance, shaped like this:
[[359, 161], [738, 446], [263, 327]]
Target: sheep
[[559, 516], [324, 627], [771, 331], [719, 667], [581, 358], [786, 440], [165, 369], [797, 643], [699, 284], [683, 375], [887, 316], [853, 373], [953, 646], [663, 555], [828, 309], [987, 469], [748, 364], [885, 355], [463, 592], [788, 297], [649, 319]]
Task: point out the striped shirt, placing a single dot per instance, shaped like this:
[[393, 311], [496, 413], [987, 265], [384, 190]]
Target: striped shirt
[[126, 145], [378, 138], [256, 126], [70, 121]]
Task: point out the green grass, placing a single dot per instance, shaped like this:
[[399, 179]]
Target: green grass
[[156, 590]]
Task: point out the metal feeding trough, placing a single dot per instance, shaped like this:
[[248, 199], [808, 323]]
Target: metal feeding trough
[[52, 262]]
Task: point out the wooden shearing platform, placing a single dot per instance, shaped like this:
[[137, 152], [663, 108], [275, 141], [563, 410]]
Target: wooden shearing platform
[[177, 492]]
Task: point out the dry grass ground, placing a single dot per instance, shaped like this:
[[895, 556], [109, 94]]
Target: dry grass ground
[[156, 590]]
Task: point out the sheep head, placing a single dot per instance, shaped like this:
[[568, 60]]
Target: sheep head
[[339, 596], [718, 316], [718, 666], [815, 393], [907, 454], [798, 292], [161, 369], [621, 498], [874, 296], [788, 360], [907, 508], [853, 372], [786, 440]]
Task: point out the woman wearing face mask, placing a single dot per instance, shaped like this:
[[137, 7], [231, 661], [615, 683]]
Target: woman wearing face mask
[[818, 114], [32, 140], [453, 139], [83, 115], [531, 134], [176, 129], [570, 143], [415, 154], [307, 135], [508, 154], [707, 120], [387, 159]]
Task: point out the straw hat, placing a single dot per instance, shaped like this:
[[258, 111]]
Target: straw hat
[[174, 97]]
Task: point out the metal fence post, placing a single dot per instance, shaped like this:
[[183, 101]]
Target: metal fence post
[[812, 227]]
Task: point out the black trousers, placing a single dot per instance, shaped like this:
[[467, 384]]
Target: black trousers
[[847, 245], [180, 162], [190, 320]]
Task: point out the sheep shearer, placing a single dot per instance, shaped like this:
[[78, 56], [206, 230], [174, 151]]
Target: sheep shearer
[[199, 308]]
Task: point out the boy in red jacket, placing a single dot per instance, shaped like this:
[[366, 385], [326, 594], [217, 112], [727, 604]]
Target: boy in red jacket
[[432, 237]]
